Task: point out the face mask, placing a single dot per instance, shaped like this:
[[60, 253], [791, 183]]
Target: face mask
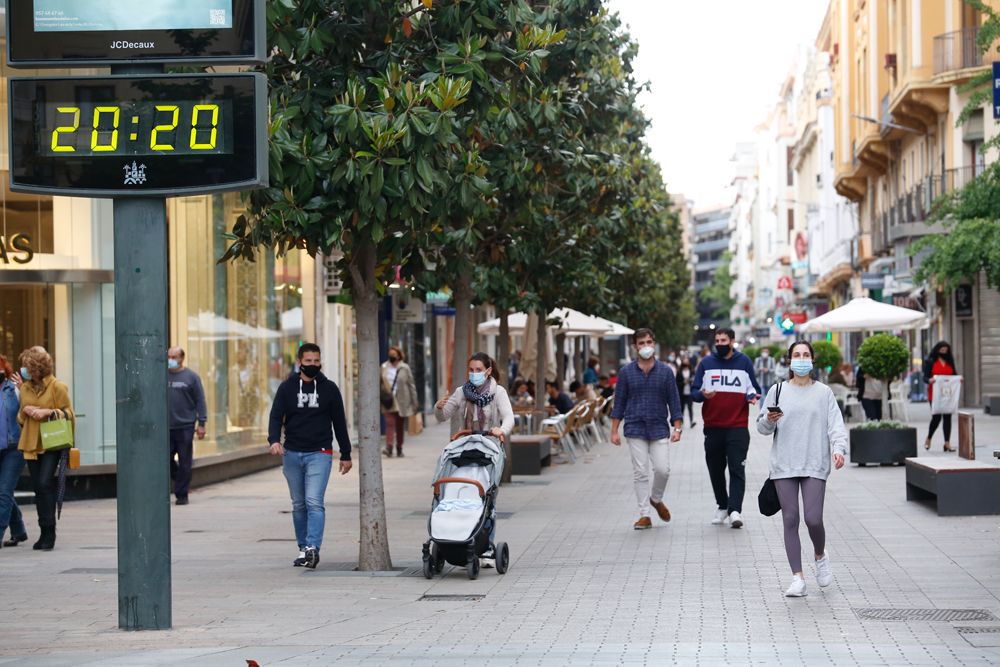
[[25, 374], [310, 371], [802, 367], [393, 358], [723, 350], [477, 379], [765, 354], [172, 364], [646, 352], [671, 357]]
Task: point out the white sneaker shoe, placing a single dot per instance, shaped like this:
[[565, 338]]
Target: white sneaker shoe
[[735, 520], [824, 576], [720, 517], [797, 589]]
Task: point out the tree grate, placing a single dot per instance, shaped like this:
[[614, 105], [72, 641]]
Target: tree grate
[[947, 615], [980, 630], [91, 570], [451, 598]]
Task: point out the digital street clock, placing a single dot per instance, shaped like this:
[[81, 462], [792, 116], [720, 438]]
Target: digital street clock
[[74, 33], [159, 135]]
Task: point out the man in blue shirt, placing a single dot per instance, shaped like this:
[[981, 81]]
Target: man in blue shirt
[[558, 399], [646, 398]]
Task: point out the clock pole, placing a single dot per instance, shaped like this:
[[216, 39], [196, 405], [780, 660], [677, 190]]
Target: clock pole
[[143, 479]]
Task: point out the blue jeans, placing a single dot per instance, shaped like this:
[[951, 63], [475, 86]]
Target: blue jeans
[[11, 464], [307, 474]]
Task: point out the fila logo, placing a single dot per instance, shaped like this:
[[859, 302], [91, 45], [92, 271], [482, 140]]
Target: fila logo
[[312, 400], [725, 381]]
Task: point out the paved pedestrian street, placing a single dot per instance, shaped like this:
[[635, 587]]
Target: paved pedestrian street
[[583, 587]]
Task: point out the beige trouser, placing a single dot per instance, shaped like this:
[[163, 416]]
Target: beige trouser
[[645, 453]]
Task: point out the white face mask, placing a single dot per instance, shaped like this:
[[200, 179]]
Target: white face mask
[[646, 352]]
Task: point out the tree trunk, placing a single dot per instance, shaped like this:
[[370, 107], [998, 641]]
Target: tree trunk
[[373, 551], [561, 359], [463, 306], [540, 362], [579, 351], [503, 350]]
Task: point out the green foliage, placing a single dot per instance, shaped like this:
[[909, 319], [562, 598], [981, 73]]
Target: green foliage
[[883, 356], [751, 351], [717, 293], [777, 350], [880, 425], [827, 354]]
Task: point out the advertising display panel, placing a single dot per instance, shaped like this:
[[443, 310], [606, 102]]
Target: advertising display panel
[[66, 33], [125, 136]]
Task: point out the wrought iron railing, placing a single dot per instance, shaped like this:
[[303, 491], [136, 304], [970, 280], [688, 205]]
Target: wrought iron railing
[[957, 50]]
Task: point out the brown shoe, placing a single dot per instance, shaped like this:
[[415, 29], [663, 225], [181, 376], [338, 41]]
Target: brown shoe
[[387, 452], [645, 523], [662, 510]]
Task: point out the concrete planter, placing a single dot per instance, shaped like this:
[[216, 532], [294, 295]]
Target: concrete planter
[[882, 445]]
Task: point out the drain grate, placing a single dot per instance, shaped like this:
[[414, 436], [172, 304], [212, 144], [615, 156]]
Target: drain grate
[[91, 570], [948, 615], [194, 531], [528, 482], [277, 539], [451, 598], [97, 548], [981, 630]]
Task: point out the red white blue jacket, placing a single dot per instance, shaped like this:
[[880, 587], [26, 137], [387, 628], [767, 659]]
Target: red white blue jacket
[[734, 384]]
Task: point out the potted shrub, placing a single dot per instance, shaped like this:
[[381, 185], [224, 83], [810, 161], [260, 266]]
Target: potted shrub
[[882, 442], [884, 357], [827, 355]]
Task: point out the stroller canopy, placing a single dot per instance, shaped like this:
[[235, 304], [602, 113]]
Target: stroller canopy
[[473, 450]]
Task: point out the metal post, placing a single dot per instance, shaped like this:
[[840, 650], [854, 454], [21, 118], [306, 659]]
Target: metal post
[[143, 447]]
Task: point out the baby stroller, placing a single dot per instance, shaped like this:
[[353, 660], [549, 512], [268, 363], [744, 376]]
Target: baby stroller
[[462, 512]]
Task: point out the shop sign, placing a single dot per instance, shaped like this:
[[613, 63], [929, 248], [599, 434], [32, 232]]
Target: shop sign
[[963, 301], [17, 249], [872, 280], [797, 318], [785, 282], [762, 332], [406, 309]]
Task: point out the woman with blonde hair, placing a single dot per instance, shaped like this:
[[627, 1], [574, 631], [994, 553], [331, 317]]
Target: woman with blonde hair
[[42, 397]]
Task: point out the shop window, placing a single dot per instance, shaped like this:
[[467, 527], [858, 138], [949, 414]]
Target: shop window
[[27, 217]]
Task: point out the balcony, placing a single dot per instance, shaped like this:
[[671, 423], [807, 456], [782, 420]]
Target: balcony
[[957, 51], [907, 215]]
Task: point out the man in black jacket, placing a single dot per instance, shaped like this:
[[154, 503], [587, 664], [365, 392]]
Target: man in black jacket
[[306, 404]]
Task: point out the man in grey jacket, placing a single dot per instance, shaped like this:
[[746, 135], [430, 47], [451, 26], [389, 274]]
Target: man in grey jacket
[[188, 414]]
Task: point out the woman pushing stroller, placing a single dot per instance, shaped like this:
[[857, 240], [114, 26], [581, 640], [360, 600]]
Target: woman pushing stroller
[[481, 404]]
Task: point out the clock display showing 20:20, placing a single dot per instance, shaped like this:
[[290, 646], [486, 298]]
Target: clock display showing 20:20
[[140, 128]]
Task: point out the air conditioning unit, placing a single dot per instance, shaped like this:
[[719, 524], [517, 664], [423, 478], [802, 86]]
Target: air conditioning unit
[[890, 61]]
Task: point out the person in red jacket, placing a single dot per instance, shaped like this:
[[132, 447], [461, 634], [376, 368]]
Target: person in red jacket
[[939, 362]]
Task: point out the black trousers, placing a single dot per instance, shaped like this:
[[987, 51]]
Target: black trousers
[[686, 400], [727, 448], [181, 447], [43, 480], [872, 408], [935, 420]]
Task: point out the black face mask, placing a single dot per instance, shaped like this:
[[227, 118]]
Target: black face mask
[[310, 371], [723, 350], [393, 358]]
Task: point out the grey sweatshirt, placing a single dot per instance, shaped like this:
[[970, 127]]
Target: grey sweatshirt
[[810, 425], [187, 398]]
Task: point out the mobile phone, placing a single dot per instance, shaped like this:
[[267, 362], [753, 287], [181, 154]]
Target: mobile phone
[[775, 409]]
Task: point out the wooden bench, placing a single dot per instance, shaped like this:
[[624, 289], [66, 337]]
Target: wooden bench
[[530, 453], [960, 487]]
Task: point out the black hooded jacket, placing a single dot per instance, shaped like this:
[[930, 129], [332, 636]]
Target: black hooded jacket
[[306, 410]]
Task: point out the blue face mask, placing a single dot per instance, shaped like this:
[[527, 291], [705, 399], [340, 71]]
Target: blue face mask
[[802, 367], [477, 379], [25, 374], [172, 364]]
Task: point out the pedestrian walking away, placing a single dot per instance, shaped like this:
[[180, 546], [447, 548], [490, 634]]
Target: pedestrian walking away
[[940, 362], [305, 406], [805, 420], [685, 375], [399, 377], [870, 395], [764, 366], [11, 459], [188, 415], [648, 401], [42, 397], [480, 405], [726, 384]]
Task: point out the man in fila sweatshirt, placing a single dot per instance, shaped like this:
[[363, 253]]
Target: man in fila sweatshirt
[[726, 384]]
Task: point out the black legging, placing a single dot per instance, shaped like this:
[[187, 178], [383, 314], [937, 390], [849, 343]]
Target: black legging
[[43, 479], [935, 420], [689, 402]]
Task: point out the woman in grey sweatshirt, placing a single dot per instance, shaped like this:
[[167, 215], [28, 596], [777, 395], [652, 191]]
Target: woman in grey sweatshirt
[[806, 431]]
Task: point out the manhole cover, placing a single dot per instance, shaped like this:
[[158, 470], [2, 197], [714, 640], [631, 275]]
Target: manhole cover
[[91, 570], [883, 614], [973, 630], [451, 598]]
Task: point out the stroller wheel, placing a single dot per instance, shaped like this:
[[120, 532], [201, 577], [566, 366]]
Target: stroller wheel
[[429, 568], [473, 568], [503, 557], [437, 558]]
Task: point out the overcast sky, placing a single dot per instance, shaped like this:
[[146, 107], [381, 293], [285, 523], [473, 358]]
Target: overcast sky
[[716, 67]]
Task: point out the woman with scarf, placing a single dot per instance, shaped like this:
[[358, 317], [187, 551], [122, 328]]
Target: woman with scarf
[[11, 460], [42, 396], [939, 362]]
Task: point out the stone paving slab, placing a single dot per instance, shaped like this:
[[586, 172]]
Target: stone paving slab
[[583, 587]]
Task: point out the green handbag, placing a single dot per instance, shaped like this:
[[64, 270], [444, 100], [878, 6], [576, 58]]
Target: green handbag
[[57, 433]]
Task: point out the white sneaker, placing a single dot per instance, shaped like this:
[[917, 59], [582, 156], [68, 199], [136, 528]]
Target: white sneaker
[[797, 589], [735, 520], [720, 517], [824, 576]]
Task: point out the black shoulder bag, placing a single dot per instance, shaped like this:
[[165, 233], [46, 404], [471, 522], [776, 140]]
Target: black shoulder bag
[[767, 499]]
